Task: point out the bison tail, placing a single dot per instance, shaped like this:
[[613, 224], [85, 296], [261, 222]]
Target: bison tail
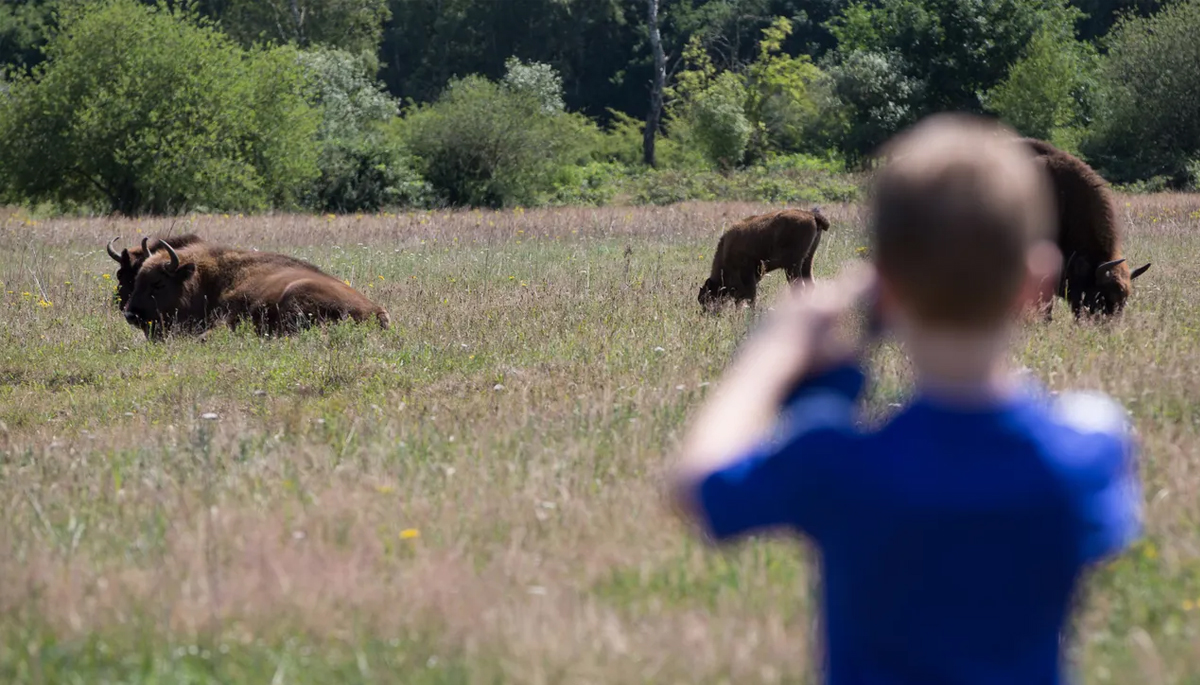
[[822, 221]]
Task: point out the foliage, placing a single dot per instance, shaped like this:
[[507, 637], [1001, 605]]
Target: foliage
[[875, 98], [1049, 92], [482, 144], [1150, 81], [352, 25], [23, 30], [781, 103], [361, 168], [706, 107], [536, 80], [902, 59], [345, 92], [149, 110], [365, 174], [718, 119]]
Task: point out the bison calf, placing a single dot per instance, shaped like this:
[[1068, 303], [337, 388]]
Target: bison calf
[[1095, 279], [210, 283], [785, 240]]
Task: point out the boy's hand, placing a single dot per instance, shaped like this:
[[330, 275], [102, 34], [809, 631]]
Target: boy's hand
[[801, 337], [806, 332]]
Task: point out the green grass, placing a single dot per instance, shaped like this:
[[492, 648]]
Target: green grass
[[518, 415]]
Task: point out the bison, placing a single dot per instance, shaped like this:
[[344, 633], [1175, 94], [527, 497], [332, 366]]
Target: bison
[[130, 261], [759, 244], [210, 283], [1095, 278]]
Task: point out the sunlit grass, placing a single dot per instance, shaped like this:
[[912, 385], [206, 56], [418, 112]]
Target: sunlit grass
[[473, 495]]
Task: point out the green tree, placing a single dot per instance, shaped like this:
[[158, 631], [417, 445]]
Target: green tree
[[537, 80], [916, 57], [1149, 123], [352, 25], [781, 93], [361, 167], [483, 144], [154, 110], [23, 30], [1049, 92]]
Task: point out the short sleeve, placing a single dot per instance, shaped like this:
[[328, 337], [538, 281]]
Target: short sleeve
[[788, 480], [1106, 488]]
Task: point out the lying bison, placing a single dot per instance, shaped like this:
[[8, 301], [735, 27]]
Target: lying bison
[[209, 284], [785, 240], [130, 261], [1095, 279]]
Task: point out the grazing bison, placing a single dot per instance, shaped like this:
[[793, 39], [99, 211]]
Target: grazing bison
[[1095, 279], [210, 283], [785, 240], [130, 261]]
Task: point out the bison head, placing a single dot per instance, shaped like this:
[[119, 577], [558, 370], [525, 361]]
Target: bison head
[[711, 294], [158, 293], [128, 264], [1100, 290]]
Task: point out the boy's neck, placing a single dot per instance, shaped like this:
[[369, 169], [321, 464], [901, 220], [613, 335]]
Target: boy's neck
[[968, 369]]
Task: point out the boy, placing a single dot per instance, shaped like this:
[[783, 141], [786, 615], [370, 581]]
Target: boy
[[952, 538]]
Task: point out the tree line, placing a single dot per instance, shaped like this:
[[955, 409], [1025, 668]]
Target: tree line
[[351, 105]]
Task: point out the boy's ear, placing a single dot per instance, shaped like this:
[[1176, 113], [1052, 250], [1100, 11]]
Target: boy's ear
[[1043, 269]]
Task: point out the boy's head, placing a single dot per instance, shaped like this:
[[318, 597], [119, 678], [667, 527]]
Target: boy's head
[[962, 219]]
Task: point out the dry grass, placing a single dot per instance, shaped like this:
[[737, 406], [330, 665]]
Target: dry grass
[[472, 496]]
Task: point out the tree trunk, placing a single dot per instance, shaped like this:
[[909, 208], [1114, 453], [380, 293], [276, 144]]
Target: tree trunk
[[654, 118]]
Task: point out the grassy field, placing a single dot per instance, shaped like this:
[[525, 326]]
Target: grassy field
[[473, 495]]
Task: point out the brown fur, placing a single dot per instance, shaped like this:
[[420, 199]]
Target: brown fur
[[276, 293], [759, 244], [130, 261], [1089, 234]]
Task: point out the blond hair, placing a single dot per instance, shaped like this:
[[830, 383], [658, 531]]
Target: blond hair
[[954, 212]]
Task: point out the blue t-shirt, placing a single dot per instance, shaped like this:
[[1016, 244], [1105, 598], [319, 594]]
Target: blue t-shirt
[[951, 540]]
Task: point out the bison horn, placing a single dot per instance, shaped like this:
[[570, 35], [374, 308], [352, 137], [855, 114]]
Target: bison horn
[[113, 253], [1138, 271], [145, 249], [171, 251], [1103, 268]]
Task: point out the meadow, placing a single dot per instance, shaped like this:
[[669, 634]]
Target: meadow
[[474, 496]]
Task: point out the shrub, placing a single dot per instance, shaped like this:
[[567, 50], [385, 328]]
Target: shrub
[[482, 144], [151, 110], [718, 119], [1150, 83], [361, 169], [365, 174]]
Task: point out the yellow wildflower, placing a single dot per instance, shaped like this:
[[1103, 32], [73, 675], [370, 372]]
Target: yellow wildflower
[[346, 282], [381, 278], [1188, 605], [106, 277], [25, 294], [385, 489], [410, 534], [44, 303]]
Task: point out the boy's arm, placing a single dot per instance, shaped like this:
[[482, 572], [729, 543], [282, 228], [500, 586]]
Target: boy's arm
[[1108, 493], [725, 463]]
